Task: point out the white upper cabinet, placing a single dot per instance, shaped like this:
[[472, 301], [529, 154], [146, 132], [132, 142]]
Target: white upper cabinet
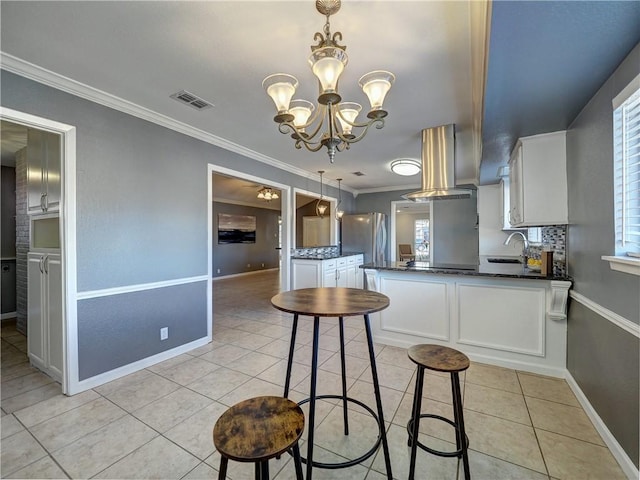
[[44, 154], [538, 181]]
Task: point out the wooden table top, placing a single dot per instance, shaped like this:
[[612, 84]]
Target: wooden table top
[[330, 301]]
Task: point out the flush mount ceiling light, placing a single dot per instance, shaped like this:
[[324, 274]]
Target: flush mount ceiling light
[[320, 207], [405, 166], [267, 194], [327, 61]]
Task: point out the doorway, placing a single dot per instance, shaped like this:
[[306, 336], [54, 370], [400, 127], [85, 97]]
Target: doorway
[[56, 221], [238, 191], [411, 224]]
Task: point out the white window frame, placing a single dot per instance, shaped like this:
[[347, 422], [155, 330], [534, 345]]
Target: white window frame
[[624, 183]]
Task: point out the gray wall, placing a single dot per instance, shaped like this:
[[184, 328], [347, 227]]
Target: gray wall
[[601, 357], [454, 236], [142, 213], [234, 257]]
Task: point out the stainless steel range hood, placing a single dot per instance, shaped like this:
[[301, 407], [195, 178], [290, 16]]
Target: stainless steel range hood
[[438, 166]]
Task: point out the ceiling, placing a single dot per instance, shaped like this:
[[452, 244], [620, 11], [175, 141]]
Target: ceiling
[[546, 59]]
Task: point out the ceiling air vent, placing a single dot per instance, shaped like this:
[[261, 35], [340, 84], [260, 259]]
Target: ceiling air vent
[[358, 174], [192, 100]]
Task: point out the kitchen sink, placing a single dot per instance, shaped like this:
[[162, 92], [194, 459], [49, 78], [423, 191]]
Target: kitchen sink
[[503, 260]]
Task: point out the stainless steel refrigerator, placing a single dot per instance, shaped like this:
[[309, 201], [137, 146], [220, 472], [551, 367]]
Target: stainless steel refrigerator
[[365, 233]]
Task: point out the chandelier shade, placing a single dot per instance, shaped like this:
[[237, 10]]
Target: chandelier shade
[[332, 123]]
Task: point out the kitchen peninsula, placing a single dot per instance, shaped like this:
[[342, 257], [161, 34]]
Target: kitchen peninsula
[[501, 314]]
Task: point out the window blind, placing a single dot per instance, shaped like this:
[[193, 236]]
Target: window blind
[[627, 174]]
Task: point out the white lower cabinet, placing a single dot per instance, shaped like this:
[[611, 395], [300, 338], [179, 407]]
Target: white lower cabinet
[[333, 272], [44, 320]]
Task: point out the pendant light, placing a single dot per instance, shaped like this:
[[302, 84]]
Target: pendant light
[[339, 213], [320, 207]]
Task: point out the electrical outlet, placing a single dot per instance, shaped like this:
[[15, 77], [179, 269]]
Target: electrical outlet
[[164, 333], [218, 270], [248, 265], [263, 265]]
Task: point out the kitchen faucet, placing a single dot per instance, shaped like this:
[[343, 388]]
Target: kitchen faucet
[[525, 244]]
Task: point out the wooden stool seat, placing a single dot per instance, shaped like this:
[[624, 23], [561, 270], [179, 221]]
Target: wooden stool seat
[[438, 358], [258, 429]]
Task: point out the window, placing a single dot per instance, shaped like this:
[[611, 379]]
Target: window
[[627, 171], [421, 238]]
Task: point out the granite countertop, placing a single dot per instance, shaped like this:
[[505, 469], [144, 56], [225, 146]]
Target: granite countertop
[[324, 256], [483, 269]]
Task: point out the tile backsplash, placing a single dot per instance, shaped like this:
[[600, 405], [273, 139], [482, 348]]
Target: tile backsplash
[[315, 251], [556, 237]]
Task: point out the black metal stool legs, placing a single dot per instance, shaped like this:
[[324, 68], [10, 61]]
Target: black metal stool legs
[[297, 462], [414, 423], [461, 441], [222, 474], [344, 377], [376, 390]]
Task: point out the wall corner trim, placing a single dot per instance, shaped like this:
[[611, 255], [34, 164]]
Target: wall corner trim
[[616, 449], [619, 320]]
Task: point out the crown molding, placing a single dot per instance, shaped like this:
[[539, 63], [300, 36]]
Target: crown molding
[[415, 186], [39, 74]]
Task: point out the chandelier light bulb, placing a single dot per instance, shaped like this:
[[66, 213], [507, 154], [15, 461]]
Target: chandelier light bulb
[[348, 113], [327, 65], [376, 85], [301, 111], [280, 87]]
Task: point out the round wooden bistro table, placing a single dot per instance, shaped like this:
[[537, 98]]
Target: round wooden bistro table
[[335, 302]]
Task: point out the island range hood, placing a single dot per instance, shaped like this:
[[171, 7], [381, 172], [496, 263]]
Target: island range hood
[[438, 166]]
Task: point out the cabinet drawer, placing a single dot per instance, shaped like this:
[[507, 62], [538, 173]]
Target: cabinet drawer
[[351, 260], [342, 262], [328, 265]]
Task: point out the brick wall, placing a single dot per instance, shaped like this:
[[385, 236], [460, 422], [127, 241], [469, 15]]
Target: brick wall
[[22, 240]]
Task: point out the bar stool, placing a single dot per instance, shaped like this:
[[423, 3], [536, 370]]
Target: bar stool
[[257, 430], [440, 359]]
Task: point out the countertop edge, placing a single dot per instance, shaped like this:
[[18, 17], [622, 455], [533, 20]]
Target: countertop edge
[[468, 273]]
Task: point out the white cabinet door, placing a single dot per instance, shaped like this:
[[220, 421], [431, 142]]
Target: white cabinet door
[[55, 328], [44, 155], [538, 176], [515, 188], [35, 318], [341, 272], [44, 319], [306, 273], [359, 271]]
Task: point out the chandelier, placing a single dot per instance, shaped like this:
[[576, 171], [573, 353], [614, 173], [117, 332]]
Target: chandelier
[[303, 120], [267, 194]]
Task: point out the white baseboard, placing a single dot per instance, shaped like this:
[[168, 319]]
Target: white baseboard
[[253, 272], [616, 449], [8, 315], [111, 375]]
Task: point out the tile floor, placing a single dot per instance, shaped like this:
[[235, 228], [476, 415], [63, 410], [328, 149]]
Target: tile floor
[[157, 423]]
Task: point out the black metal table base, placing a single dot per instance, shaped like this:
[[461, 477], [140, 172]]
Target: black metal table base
[[379, 417], [355, 461]]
